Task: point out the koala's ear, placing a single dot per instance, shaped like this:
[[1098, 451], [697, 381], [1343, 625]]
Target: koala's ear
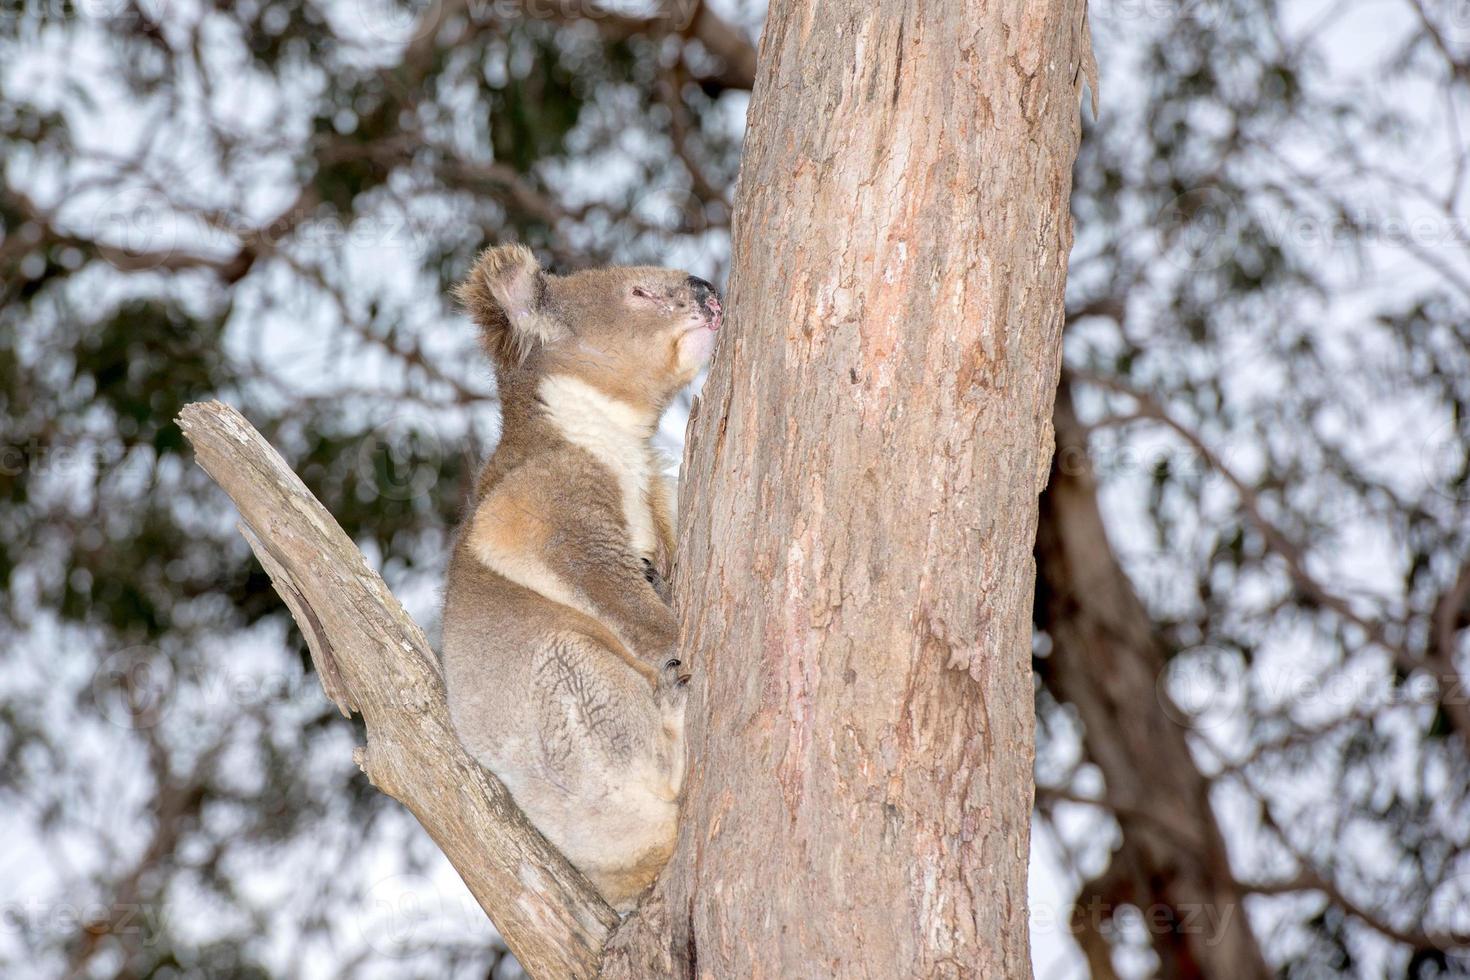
[[506, 295]]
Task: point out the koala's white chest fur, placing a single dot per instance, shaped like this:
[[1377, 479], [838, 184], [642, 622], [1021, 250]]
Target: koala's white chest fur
[[615, 433]]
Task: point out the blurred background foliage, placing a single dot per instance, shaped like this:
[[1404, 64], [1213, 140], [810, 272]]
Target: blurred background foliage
[[1252, 598]]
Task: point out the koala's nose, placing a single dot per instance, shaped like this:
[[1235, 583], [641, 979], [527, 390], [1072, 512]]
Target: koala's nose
[[707, 298], [703, 289]]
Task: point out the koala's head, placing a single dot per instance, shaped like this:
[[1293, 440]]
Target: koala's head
[[637, 333]]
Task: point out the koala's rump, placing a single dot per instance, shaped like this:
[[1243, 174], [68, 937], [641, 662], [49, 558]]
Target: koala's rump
[[566, 723]]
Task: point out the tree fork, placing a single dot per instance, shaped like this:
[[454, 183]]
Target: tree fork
[[373, 659]]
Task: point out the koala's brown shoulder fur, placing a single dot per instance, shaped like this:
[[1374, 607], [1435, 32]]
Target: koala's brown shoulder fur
[[559, 648]]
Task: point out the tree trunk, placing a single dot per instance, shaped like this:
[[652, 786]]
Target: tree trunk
[[860, 501], [856, 567]]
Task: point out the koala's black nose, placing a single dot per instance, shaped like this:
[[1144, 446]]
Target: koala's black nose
[[702, 289]]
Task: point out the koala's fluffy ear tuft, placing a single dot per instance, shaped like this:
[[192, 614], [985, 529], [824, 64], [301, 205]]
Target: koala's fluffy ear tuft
[[506, 295]]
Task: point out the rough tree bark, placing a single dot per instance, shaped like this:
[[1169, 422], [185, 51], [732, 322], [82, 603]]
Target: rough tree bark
[[860, 501], [1106, 660]]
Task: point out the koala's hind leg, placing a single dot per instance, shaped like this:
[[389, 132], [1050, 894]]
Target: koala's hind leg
[[610, 766]]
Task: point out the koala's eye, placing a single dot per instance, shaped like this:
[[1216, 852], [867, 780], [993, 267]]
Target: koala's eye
[[640, 293]]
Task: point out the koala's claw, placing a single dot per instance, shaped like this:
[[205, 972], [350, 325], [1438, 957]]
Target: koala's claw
[[670, 678]]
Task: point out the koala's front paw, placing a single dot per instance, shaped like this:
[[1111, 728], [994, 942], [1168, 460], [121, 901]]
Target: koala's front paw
[[659, 583]]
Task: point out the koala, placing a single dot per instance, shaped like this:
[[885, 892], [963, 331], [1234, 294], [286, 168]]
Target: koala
[[560, 647]]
